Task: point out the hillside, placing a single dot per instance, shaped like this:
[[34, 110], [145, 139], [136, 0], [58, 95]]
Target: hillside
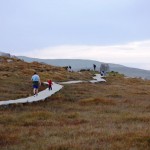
[[78, 64], [15, 76], [108, 116], [112, 115]]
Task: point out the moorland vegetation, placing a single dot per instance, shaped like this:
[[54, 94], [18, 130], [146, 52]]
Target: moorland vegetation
[[111, 115]]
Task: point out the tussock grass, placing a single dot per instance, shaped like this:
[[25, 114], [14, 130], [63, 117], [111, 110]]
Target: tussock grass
[[15, 77], [96, 101], [112, 115], [135, 118], [8, 139]]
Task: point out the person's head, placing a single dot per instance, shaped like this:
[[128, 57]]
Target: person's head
[[35, 73]]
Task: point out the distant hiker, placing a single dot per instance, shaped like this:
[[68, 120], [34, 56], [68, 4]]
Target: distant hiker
[[50, 84], [69, 68], [94, 66], [104, 69], [36, 83], [102, 73]]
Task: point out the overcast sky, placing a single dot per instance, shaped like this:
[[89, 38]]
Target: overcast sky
[[116, 31]]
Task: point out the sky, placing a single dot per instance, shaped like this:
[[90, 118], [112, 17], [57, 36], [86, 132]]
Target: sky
[[111, 31]]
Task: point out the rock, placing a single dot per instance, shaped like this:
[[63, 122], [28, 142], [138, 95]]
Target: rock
[[9, 60]]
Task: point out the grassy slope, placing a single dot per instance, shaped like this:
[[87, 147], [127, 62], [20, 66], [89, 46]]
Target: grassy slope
[[15, 77], [112, 115]]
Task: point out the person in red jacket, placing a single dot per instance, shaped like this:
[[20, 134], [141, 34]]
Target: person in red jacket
[[50, 84]]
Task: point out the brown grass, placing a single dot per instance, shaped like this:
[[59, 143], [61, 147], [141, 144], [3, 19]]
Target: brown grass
[[96, 101], [15, 77], [114, 115]]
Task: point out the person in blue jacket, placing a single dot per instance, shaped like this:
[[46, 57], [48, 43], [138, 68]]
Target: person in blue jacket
[[36, 83]]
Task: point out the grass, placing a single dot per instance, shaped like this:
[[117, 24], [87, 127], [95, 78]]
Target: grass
[[15, 77], [114, 115], [111, 115]]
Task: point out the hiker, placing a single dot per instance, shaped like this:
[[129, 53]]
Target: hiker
[[94, 66], [102, 73], [69, 68], [36, 83], [50, 84]]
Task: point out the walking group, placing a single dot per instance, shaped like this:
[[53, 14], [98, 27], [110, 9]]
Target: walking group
[[37, 83]]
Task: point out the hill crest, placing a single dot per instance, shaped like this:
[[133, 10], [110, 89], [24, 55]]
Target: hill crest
[[78, 64]]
